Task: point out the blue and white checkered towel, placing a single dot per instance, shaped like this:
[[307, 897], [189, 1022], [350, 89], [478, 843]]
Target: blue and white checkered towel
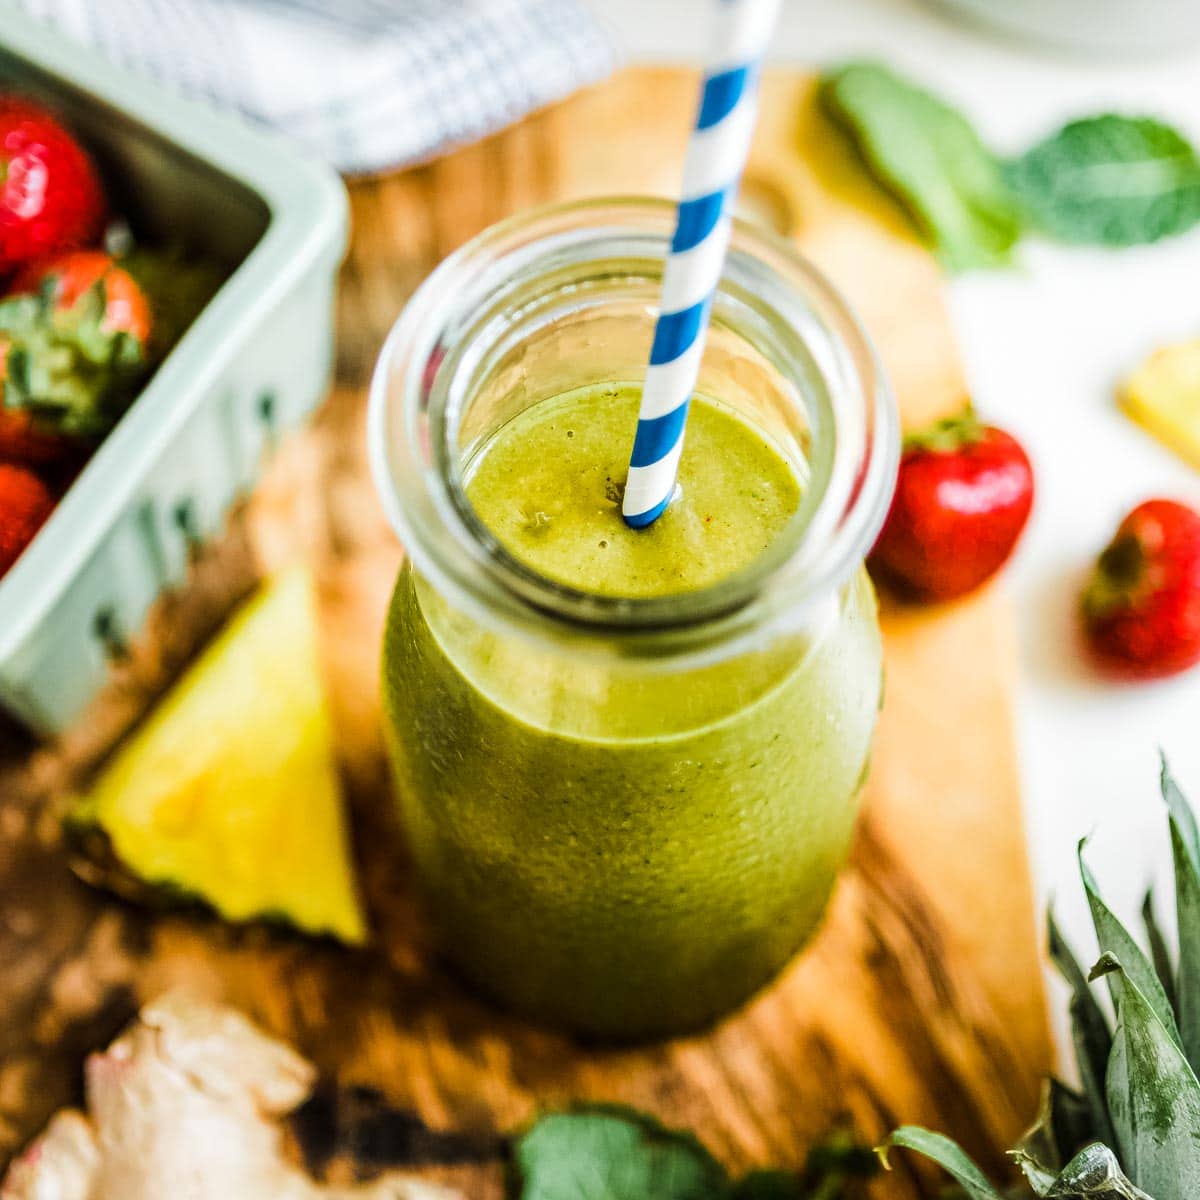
[[365, 84]]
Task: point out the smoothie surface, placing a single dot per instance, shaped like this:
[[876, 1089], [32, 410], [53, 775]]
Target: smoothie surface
[[549, 483]]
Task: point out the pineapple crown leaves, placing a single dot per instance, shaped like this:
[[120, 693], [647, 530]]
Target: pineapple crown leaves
[[1153, 1094], [65, 365], [1132, 1130], [947, 1154]]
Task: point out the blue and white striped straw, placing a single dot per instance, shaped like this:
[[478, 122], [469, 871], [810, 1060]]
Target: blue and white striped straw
[[716, 157]]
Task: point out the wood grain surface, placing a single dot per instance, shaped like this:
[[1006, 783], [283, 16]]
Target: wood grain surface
[[920, 999]]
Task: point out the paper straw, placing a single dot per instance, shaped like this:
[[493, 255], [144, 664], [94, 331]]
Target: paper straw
[[716, 157]]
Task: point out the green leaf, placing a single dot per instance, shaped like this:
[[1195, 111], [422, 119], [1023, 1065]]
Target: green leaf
[[1153, 1095], [17, 312], [767, 1185], [1090, 1033], [611, 1153], [1039, 1175], [931, 159], [1093, 1174], [1187, 907], [1185, 850], [1111, 180], [1160, 954], [177, 289], [833, 1164], [1115, 939], [1181, 811], [947, 1154], [1064, 1125], [91, 306]]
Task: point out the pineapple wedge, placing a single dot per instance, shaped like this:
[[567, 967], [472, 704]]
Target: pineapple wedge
[[1163, 395], [229, 791]]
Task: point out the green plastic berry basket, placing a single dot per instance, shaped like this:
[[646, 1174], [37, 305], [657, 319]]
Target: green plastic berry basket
[[254, 363]]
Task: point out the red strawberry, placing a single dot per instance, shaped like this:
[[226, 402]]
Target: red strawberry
[[70, 277], [1141, 610], [963, 496], [25, 503], [50, 194], [25, 440]]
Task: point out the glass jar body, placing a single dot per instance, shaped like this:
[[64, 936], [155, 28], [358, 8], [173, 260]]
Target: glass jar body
[[617, 851], [626, 814]]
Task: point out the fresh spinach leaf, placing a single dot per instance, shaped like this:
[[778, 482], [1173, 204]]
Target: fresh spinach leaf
[[611, 1153], [606, 1152], [931, 159], [1112, 180]]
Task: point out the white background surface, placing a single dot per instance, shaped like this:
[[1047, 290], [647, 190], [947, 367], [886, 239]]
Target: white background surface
[[1044, 347]]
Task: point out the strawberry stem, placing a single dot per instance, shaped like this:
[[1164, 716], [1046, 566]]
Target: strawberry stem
[[948, 434], [1119, 572]]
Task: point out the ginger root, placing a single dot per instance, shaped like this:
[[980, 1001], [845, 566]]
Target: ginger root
[[185, 1103]]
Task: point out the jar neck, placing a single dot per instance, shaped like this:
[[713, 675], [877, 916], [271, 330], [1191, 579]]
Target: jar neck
[[560, 298]]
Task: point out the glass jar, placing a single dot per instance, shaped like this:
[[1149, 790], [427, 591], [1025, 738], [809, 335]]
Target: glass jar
[[626, 815]]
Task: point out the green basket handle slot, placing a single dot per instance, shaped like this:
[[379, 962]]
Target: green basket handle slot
[[184, 516], [107, 630], [268, 415]]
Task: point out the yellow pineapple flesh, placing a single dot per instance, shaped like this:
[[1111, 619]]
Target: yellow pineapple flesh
[[229, 791], [1163, 395]]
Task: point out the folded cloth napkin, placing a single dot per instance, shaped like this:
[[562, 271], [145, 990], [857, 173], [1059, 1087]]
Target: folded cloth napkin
[[365, 84]]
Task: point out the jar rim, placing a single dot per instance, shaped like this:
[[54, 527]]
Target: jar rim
[[412, 414]]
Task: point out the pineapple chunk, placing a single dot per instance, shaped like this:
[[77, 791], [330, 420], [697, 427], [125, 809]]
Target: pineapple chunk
[[230, 791], [1163, 395]]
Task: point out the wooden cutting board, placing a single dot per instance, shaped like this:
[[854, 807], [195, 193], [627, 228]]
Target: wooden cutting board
[[920, 1000]]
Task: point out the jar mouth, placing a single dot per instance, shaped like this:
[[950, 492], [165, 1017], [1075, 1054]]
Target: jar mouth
[[455, 326]]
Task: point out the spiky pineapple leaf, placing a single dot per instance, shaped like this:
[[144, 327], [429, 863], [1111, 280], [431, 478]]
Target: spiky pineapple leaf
[[1160, 953], [947, 1154], [1037, 1153], [1181, 811], [1153, 1094], [1064, 1126], [1116, 940], [1187, 904], [1090, 1033], [1094, 1174], [1185, 850]]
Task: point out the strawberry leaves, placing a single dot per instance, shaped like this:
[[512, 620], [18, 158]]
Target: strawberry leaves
[[66, 366]]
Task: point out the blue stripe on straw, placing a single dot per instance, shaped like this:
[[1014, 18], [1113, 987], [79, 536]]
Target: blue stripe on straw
[[642, 519], [656, 436], [721, 94], [697, 219], [676, 331], [701, 224]]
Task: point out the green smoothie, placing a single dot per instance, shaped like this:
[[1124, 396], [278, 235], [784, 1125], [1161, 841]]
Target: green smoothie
[[626, 849]]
